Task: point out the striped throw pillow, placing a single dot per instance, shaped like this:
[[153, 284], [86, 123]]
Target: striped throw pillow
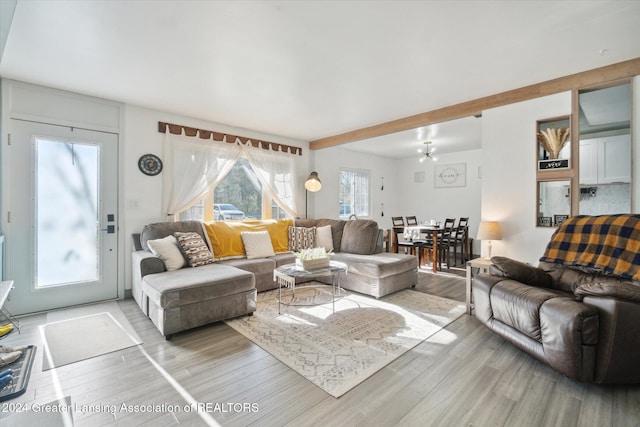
[[195, 250], [301, 238]]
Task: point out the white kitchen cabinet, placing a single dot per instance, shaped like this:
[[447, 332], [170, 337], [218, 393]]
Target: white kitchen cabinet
[[614, 159], [589, 162], [605, 160]]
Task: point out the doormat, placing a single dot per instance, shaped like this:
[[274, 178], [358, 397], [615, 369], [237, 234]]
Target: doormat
[[81, 338]]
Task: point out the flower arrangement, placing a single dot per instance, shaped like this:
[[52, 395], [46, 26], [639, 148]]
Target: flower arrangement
[[312, 253], [553, 140], [312, 258]]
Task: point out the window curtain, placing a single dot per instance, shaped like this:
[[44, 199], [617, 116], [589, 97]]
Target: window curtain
[[193, 167], [276, 172]]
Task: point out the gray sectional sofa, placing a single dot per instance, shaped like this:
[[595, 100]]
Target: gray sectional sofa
[[194, 296]]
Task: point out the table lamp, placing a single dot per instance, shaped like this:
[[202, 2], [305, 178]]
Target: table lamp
[[489, 230]]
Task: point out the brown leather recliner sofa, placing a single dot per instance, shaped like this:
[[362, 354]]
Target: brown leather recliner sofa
[[581, 323]]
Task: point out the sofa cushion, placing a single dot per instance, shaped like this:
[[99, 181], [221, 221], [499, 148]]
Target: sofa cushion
[[194, 248], [360, 237], [324, 238], [337, 228], [380, 265], [519, 271], [168, 251], [256, 266], [518, 305], [159, 230], [608, 286], [301, 238], [226, 238], [257, 244], [190, 285]]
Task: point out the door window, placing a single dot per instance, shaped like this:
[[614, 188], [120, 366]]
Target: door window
[[66, 209]]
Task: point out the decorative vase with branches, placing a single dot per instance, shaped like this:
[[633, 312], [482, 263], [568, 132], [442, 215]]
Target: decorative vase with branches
[[553, 140]]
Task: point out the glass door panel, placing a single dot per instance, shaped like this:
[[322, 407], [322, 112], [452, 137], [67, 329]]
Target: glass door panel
[[67, 226]]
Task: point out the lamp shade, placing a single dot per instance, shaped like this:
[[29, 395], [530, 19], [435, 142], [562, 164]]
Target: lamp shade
[[313, 183], [489, 230]]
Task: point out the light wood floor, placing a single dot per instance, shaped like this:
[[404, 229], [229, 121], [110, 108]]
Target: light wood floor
[[466, 376]]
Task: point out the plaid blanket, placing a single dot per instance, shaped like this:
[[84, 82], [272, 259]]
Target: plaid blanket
[[608, 243]]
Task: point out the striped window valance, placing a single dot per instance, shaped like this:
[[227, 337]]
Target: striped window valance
[[225, 137]]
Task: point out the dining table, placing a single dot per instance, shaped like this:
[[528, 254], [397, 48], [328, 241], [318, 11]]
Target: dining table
[[415, 232]]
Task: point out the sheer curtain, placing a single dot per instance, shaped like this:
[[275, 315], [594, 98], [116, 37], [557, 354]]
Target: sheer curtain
[[276, 172], [192, 167]]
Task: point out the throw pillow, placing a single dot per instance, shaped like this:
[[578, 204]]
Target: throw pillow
[[301, 238], [324, 238], [168, 251], [257, 244], [194, 249]]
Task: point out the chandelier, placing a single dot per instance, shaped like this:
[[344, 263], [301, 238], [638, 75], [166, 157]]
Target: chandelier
[[427, 152]]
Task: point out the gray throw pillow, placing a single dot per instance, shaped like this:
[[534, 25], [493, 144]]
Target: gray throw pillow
[[359, 237]]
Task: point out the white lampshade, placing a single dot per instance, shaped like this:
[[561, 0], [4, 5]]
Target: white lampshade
[[489, 230], [313, 183]]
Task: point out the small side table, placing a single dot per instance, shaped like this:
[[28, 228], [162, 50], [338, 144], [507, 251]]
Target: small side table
[[482, 264]]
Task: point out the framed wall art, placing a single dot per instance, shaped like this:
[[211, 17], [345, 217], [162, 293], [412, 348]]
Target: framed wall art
[[451, 175]]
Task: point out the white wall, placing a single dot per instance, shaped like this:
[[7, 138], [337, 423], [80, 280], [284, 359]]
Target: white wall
[[327, 162], [142, 196], [427, 202], [401, 196], [509, 174]]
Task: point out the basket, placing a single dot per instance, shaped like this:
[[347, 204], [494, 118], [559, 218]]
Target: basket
[[312, 264]]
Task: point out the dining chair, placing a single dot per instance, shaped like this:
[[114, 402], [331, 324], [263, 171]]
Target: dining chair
[[398, 230], [397, 221], [447, 239], [401, 242], [458, 238], [412, 221]]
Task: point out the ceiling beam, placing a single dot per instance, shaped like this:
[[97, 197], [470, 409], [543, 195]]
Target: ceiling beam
[[621, 70]]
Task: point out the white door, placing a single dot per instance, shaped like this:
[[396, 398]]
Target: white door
[[62, 232]]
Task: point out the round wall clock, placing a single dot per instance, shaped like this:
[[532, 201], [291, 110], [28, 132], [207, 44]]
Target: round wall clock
[[150, 164]]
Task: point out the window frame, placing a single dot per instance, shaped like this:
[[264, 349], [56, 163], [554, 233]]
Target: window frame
[[355, 171], [208, 199]]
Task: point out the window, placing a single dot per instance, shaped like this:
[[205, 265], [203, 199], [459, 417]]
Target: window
[[238, 196], [354, 193]]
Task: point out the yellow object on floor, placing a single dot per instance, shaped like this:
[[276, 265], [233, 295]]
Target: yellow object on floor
[[5, 329]]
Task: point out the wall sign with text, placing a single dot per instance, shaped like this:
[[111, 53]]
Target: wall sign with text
[[451, 175]]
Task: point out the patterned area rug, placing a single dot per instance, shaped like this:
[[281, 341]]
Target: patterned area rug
[[337, 351]]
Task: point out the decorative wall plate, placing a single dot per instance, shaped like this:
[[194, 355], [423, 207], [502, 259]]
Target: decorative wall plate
[[150, 164]]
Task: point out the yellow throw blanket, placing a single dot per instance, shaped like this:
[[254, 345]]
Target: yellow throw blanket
[[226, 240], [609, 243]]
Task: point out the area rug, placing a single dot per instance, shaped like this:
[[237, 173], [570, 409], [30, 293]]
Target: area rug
[[83, 337], [337, 351]]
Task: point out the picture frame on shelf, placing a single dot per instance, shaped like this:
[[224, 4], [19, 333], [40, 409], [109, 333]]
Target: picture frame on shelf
[[559, 219], [544, 221]]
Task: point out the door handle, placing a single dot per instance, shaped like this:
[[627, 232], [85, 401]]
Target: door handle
[[110, 229]]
